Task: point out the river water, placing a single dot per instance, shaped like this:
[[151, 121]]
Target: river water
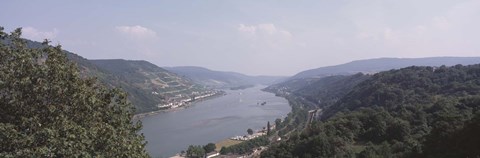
[[212, 120]]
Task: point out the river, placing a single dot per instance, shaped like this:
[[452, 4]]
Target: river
[[212, 120]]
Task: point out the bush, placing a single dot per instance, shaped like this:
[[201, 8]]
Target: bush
[[48, 110]]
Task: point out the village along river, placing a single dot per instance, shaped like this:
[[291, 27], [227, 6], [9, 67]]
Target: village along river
[[212, 120]]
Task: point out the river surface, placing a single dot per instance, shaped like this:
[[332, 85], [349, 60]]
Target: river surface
[[212, 120]]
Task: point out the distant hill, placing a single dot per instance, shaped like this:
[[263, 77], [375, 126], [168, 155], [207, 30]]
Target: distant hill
[[330, 88], [221, 79], [147, 85], [383, 64], [314, 84], [147, 76]]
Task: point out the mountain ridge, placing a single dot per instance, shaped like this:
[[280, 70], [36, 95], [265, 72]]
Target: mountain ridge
[[221, 79], [382, 64]]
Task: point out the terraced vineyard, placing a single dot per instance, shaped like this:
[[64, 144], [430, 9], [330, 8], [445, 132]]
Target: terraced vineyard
[[147, 85]]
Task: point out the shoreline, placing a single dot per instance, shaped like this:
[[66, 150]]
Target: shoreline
[[227, 142], [156, 112], [222, 140]]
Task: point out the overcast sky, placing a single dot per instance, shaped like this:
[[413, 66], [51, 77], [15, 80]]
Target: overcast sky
[[250, 36]]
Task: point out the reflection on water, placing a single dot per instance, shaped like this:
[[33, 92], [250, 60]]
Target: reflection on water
[[212, 120]]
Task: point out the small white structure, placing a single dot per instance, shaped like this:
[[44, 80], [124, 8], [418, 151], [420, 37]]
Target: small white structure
[[212, 154]]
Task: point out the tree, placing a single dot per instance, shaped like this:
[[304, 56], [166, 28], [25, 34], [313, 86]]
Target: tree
[[278, 123], [223, 150], [250, 131], [195, 151], [268, 128], [48, 110], [209, 147]]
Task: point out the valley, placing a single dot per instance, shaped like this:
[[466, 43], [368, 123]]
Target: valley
[[240, 79], [212, 120], [344, 110]]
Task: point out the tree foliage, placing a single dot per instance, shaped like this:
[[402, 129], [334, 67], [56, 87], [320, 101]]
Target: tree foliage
[[410, 112], [246, 146], [210, 147], [250, 131], [48, 110], [195, 151], [200, 151], [268, 128]]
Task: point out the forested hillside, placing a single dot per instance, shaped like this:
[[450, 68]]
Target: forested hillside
[[410, 112], [147, 85], [320, 91]]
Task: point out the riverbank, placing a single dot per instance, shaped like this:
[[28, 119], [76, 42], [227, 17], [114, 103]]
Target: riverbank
[[151, 113], [226, 143], [238, 139], [211, 120], [229, 142]]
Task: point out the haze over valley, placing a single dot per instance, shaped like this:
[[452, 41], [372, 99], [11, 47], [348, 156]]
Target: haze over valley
[[233, 78]]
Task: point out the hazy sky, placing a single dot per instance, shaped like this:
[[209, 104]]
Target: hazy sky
[[251, 36]]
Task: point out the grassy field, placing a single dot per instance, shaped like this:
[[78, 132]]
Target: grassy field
[[226, 143]]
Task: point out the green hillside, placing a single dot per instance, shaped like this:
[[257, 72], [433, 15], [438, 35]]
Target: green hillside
[[146, 84], [320, 91], [411, 112], [156, 82]]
